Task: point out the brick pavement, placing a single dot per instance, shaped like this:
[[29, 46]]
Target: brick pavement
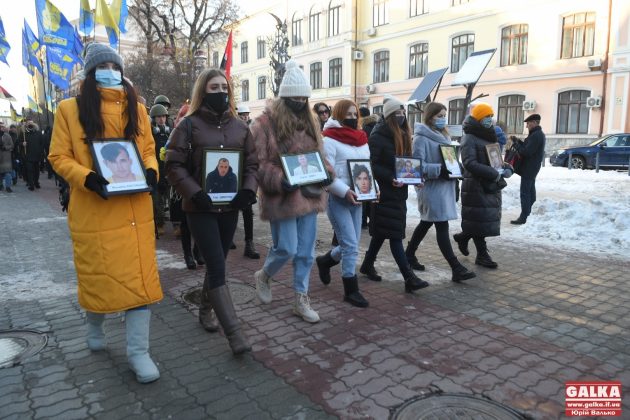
[[513, 335]]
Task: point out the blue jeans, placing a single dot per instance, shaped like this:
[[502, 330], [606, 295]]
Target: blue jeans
[[293, 239], [345, 219], [528, 196], [8, 179]]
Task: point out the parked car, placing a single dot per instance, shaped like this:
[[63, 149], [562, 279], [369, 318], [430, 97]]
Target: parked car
[[614, 152]]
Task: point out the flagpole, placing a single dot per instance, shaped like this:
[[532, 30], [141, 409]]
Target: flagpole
[[45, 78]]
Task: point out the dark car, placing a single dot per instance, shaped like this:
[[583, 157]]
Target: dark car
[[614, 152]]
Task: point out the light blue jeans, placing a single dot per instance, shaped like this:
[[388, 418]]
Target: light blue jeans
[[7, 178], [345, 219], [293, 239]]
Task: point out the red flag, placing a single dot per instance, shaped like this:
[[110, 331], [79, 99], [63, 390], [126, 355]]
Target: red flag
[[226, 63]]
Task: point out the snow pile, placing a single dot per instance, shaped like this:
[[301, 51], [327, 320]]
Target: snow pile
[[35, 285]]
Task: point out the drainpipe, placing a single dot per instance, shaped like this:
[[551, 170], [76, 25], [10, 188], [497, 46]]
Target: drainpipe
[[605, 70], [355, 43]]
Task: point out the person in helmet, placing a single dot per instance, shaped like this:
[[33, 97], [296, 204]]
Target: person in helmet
[[161, 132], [166, 103], [243, 113]]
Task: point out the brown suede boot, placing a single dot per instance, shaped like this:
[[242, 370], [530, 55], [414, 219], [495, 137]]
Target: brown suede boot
[[221, 301], [207, 318]]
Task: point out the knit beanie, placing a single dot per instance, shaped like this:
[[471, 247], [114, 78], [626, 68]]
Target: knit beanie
[[481, 111], [98, 54], [392, 105], [294, 83]]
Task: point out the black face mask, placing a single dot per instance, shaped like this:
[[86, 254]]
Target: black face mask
[[217, 101], [350, 122], [295, 106], [402, 120]]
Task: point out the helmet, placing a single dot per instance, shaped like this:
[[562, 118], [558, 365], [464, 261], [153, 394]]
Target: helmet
[[157, 110], [242, 109], [161, 99]]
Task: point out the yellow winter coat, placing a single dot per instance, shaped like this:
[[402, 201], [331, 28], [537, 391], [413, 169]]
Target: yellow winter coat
[[114, 239]]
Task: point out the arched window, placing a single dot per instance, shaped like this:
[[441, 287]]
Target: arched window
[[296, 30], [418, 60], [333, 19], [514, 45], [572, 112], [313, 26], [511, 113], [462, 47]]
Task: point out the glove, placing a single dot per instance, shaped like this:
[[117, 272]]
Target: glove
[[242, 199], [202, 200], [288, 187], [152, 178], [326, 182], [507, 172], [95, 182], [444, 173], [162, 154]]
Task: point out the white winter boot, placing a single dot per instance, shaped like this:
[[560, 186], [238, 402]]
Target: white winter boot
[[140, 362], [95, 333], [302, 308], [263, 286]]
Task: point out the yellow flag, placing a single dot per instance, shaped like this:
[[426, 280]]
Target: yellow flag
[[104, 16]]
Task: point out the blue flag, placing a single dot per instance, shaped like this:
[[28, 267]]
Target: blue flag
[[54, 28], [4, 44], [2, 34], [86, 17], [30, 45], [77, 51], [60, 65]]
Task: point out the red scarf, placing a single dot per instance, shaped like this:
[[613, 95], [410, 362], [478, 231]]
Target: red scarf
[[347, 135]]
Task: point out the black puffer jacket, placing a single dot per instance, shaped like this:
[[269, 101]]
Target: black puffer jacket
[[388, 218], [481, 211]]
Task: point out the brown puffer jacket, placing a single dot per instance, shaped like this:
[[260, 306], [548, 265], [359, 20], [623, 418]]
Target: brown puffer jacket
[[275, 202], [208, 131]]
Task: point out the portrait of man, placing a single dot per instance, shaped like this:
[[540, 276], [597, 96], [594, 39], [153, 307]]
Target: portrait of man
[[408, 171], [119, 162], [304, 167], [494, 156], [222, 179]]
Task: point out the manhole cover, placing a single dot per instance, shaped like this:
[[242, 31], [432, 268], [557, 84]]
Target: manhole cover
[[454, 406], [17, 345], [241, 294]]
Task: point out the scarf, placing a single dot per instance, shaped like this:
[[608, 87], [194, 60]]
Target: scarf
[[347, 135]]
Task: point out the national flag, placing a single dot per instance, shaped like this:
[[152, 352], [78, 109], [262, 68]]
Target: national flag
[[32, 105], [77, 51], [54, 28], [226, 62], [14, 114], [4, 44], [104, 16], [86, 17], [2, 33], [119, 11], [60, 65], [30, 45]]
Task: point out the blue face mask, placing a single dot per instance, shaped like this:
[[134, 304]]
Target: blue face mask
[[486, 122], [440, 123], [108, 77]]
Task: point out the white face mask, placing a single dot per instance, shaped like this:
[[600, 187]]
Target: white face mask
[[108, 77]]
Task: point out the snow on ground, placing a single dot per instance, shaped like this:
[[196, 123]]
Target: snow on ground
[[20, 286], [168, 260], [577, 210]]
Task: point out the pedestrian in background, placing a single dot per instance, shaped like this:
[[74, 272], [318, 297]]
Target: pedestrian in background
[[124, 275], [33, 143], [214, 125], [6, 163], [161, 131], [287, 126], [436, 199], [323, 113]]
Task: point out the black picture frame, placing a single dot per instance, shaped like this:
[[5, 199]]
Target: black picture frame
[[362, 166], [221, 188], [409, 174], [126, 175], [450, 161], [315, 171], [493, 151]]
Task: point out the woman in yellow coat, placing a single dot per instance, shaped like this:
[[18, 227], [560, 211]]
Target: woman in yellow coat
[[113, 237]]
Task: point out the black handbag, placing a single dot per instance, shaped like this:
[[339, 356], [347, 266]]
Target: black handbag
[[311, 190]]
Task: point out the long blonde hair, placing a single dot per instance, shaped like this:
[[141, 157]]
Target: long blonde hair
[[286, 123], [402, 136], [199, 91]]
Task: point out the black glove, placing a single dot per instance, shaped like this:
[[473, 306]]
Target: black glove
[[242, 199], [202, 200], [445, 173], [95, 182], [326, 182], [152, 178], [288, 187]]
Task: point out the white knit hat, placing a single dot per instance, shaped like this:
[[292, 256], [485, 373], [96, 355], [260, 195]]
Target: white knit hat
[[392, 105], [294, 83]]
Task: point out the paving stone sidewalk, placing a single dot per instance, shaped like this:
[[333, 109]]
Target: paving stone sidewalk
[[514, 335]]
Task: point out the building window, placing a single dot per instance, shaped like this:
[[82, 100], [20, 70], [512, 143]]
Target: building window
[[381, 67], [378, 109], [316, 75], [245, 91], [379, 13], [313, 27], [578, 35], [417, 8], [456, 111], [459, 2], [215, 59], [260, 47], [572, 112], [334, 72], [514, 45], [244, 52], [296, 32], [463, 46], [262, 87], [333, 21], [414, 114], [511, 113], [418, 60]]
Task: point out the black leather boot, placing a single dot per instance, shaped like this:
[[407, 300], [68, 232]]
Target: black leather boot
[[250, 251], [351, 292], [483, 259], [413, 282], [367, 268], [324, 264], [190, 261], [221, 302], [462, 243], [207, 317], [414, 263], [461, 273], [198, 256]]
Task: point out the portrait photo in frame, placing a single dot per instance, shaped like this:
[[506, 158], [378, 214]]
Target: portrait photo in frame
[[119, 162], [409, 170], [362, 179], [449, 157], [304, 168], [221, 176], [494, 156]]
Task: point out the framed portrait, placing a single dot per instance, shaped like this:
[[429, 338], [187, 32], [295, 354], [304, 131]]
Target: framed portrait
[[409, 170], [304, 168], [222, 172], [494, 156], [118, 161], [362, 179], [449, 157]]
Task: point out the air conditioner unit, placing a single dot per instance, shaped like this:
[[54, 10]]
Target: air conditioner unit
[[594, 63], [529, 105], [594, 102], [370, 88], [371, 32], [357, 55]]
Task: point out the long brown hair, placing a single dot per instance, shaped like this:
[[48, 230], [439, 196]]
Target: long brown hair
[[286, 123], [430, 111], [402, 136], [341, 109], [199, 91], [89, 103]]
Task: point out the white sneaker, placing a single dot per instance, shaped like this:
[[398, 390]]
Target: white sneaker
[[263, 286], [302, 308]]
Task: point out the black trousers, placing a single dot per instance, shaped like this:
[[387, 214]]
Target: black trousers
[[32, 173], [248, 223], [213, 233], [441, 234]]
